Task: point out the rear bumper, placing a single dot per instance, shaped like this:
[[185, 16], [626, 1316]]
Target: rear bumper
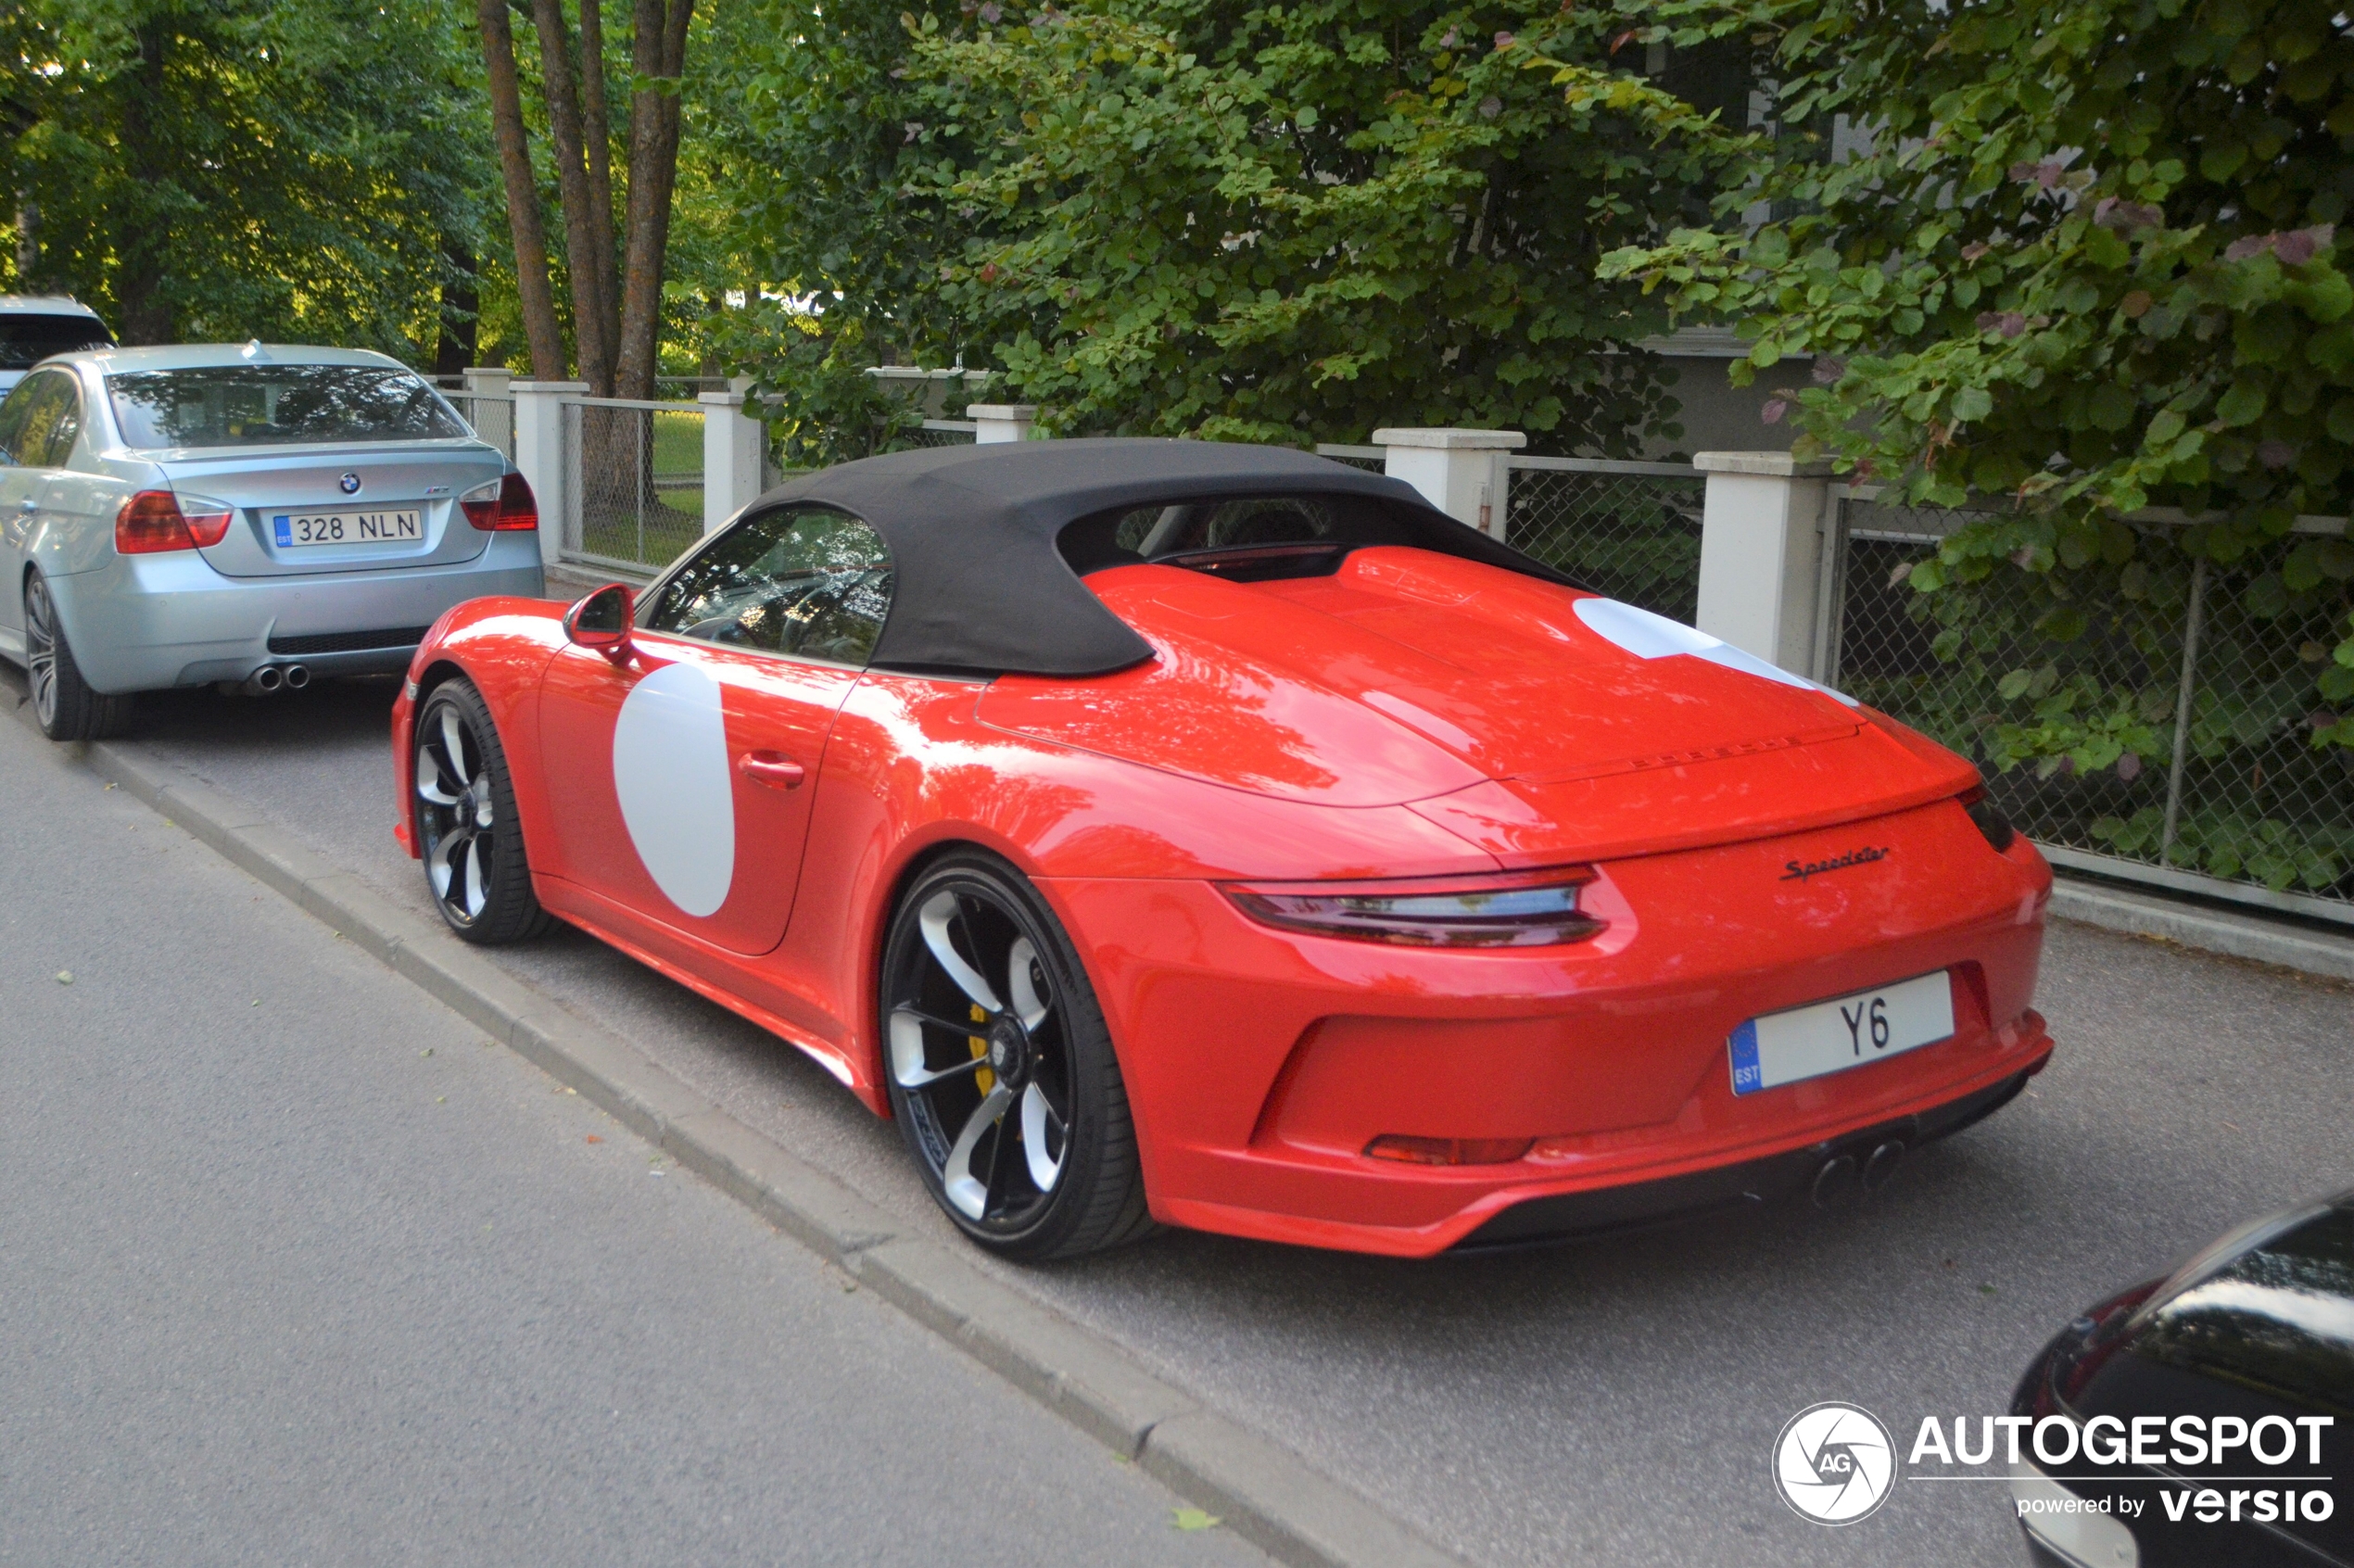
[[1259, 1064], [143, 622], [1742, 1184]]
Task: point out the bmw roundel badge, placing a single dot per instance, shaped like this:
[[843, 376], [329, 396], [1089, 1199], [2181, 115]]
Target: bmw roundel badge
[[349, 483]]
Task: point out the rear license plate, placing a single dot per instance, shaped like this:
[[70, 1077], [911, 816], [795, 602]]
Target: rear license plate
[[300, 530], [1843, 1033]]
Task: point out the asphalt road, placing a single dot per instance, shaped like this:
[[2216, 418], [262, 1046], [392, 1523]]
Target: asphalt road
[[296, 1267], [1610, 1403]]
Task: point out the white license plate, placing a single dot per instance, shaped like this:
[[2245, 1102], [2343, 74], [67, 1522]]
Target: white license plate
[[299, 530], [1844, 1032]]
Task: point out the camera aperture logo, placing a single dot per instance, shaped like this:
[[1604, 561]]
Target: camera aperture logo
[[1834, 1463]]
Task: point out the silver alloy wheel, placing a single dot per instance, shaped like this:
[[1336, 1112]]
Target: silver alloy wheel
[[41, 649], [990, 1092], [458, 823]]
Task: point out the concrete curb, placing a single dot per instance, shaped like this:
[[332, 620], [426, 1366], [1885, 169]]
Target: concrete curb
[[1262, 1492], [2211, 931]]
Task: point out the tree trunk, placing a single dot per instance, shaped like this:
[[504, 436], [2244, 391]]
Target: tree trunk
[[139, 290], [596, 128], [660, 52], [461, 308], [539, 301], [559, 88]]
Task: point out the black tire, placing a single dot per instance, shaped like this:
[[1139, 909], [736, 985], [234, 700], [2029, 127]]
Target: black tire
[[66, 705], [467, 831], [1038, 1048]]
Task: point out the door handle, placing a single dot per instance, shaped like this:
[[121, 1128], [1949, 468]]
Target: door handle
[[772, 769]]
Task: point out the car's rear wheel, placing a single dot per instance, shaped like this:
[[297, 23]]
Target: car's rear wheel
[[1002, 1073], [466, 827], [64, 702]]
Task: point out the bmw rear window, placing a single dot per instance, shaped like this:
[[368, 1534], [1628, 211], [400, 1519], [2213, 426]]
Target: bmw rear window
[[27, 339], [277, 405]]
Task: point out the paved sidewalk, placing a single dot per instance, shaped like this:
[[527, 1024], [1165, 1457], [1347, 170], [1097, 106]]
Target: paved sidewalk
[[1610, 1403], [296, 1267]]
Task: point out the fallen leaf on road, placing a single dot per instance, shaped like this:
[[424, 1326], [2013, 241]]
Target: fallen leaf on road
[[594, 1139], [441, 1099], [1194, 1519], [1986, 1290], [65, 977], [426, 1052]]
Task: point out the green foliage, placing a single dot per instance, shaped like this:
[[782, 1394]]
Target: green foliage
[[1206, 217], [1284, 224], [2091, 262], [823, 407], [287, 169]]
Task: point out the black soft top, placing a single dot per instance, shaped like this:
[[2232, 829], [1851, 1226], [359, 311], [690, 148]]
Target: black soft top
[[980, 586]]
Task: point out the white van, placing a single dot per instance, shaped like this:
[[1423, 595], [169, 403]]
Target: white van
[[33, 326]]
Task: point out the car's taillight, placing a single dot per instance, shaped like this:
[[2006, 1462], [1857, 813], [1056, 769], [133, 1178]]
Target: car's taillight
[[1448, 1151], [500, 504], [1501, 909], [1991, 822], [155, 521]]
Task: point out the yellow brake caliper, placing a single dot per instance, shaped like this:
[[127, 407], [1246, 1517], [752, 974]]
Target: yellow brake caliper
[[986, 1078]]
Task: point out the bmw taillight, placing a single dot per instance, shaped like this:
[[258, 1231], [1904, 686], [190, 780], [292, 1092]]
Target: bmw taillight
[[1991, 821], [155, 521], [1501, 909], [497, 505]]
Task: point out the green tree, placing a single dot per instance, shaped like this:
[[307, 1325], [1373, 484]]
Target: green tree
[[1264, 222], [2090, 264], [239, 168]]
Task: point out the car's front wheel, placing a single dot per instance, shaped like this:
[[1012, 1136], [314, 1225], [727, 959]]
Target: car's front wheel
[[67, 706], [1002, 1072], [466, 826]]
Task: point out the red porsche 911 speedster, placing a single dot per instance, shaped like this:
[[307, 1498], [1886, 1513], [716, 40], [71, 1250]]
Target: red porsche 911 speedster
[[1222, 836]]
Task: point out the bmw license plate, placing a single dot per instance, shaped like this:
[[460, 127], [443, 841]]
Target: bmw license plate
[[1843, 1033], [299, 530]]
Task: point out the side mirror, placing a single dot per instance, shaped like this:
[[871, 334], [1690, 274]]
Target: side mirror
[[601, 621]]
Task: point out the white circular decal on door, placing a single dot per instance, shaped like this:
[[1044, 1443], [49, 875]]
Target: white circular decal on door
[[670, 770]]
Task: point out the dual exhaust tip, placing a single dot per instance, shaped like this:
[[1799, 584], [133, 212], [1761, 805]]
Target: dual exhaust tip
[[271, 679], [1843, 1179]]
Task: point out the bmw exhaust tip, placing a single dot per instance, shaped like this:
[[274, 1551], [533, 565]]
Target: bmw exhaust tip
[[266, 680], [297, 677]]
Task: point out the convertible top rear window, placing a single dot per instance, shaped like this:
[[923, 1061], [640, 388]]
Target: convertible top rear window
[[277, 405], [1243, 537]]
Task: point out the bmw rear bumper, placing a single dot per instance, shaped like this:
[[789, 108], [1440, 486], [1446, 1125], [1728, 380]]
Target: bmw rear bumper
[[143, 622]]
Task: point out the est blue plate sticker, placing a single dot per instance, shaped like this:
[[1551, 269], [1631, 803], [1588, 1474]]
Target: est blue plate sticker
[[286, 531], [1747, 1076]]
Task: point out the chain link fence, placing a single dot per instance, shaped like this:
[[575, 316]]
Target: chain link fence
[[636, 481], [2189, 684], [1631, 530], [1376, 458]]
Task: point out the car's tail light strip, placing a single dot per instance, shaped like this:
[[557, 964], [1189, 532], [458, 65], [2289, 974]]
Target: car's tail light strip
[[1501, 909], [501, 505]]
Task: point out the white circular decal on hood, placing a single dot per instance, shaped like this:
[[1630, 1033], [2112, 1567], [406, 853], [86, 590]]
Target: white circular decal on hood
[[670, 770], [1646, 636]]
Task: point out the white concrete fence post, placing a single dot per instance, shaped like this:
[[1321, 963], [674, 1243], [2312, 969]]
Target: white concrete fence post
[[539, 453], [1462, 472], [1001, 421], [732, 444], [494, 422], [1761, 553]]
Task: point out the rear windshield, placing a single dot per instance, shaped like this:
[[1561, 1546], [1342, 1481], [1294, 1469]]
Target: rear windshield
[[26, 340], [277, 405]]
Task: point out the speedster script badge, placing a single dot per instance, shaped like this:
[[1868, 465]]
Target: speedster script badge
[[1802, 869]]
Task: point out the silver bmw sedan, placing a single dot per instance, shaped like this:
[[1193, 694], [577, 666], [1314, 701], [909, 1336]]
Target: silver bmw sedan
[[251, 516]]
